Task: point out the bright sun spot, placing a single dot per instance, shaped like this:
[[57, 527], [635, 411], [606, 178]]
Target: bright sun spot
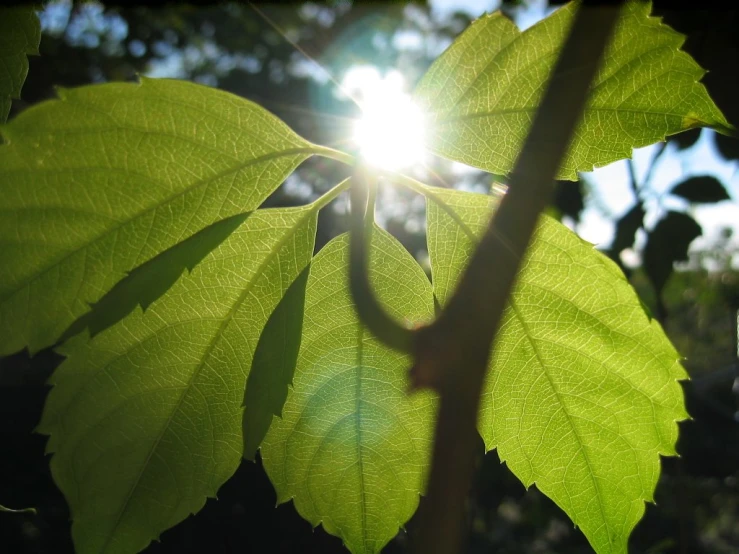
[[390, 133]]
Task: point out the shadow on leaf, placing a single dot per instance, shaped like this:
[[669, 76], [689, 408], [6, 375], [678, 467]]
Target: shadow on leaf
[[274, 365], [146, 283]]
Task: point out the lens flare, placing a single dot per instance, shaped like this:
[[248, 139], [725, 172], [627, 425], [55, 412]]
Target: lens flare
[[390, 132]]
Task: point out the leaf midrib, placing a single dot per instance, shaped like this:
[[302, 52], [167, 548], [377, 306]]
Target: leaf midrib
[[555, 390], [529, 109], [358, 424], [145, 341], [472, 237]]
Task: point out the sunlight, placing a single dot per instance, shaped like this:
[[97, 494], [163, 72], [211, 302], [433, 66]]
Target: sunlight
[[390, 133]]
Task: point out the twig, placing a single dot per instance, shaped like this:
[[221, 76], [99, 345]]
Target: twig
[[370, 312], [632, 176], [653, 164], [452, 354]]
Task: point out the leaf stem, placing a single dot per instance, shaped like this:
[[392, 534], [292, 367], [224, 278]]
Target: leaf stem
[[371, 313], [333, 154], [394, 178], [330, 194], [369, 214], [452, 353], [660, 150], [425, 190], [632, 177], [32, 511]]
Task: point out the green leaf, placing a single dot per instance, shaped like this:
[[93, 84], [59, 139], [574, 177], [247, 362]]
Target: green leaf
[[146, 283], [666, 244], [701, 190], [145, 419], [31, 511], [108, 176], [274, 365], [20, 35], [352, 448], [581, 397], [482, 93]]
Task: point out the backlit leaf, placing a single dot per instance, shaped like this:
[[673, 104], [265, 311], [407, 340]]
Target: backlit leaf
[[108, 176], [352, 447], [581, 397], [146, 283], [145, 419], [482, 93]]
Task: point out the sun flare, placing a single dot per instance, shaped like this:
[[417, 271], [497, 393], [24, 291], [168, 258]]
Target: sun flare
[[390, 132]]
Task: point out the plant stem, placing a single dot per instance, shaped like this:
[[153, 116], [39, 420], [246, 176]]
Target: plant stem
[[331, 194], [369, 214], [452, 353], [661, 147], [632, 176], [333, 154], [371, 313]]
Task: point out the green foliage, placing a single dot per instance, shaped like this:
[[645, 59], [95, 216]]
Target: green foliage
[[111, 191], [108, 176], [145, 419], [482, 93], [567, 410], [273, 365], [352, 447], [669, 239], [146, 283], [20, 35]]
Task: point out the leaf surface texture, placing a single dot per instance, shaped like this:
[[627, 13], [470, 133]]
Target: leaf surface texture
[[145, 419], [352, 447], [581, 396], [482, 93], [108, 176], [274, 365]]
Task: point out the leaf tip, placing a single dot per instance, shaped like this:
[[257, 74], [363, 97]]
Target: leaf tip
[[283, 498]]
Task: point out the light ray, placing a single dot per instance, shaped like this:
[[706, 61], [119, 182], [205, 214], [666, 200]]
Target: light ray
[[303, 52]]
